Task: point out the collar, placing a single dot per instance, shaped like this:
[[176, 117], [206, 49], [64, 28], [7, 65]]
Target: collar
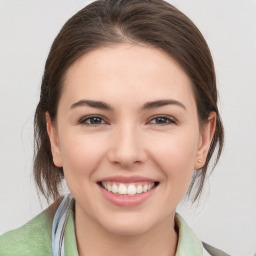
[[70, 236], [188, 243]]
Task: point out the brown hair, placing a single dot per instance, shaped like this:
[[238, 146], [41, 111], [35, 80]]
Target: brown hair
[[150, 22]]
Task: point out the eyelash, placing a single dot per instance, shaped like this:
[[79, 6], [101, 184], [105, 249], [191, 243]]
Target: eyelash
[[167, 120], [91, 117]]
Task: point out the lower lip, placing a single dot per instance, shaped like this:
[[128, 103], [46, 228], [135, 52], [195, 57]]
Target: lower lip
[[126, 201]]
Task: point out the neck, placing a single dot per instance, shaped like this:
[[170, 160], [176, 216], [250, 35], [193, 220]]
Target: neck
[[94, 240]]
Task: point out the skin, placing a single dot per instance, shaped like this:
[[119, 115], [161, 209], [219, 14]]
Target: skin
[[128, 140]]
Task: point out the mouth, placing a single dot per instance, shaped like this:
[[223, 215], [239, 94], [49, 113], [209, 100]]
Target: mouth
[[127, 189]]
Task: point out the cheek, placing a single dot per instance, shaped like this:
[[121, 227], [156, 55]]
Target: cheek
[[81, 154], [175, 154]]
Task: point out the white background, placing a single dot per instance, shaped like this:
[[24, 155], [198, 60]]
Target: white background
[[226, 215]]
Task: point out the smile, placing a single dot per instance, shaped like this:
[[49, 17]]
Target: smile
[[125, 189]]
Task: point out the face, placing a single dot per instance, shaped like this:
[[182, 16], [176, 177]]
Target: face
[[128, 138]]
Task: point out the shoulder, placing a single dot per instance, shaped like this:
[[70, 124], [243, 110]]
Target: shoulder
[[34, 238]]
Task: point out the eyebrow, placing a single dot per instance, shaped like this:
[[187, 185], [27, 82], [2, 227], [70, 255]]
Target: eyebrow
[[92, 104], [146, 106], [161, 103]]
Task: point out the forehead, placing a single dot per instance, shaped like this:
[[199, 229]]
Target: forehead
[[127, 70]]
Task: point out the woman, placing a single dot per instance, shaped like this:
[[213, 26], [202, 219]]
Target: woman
[[127, 112]]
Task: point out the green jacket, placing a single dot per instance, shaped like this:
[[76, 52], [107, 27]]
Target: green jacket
[[34, 239]]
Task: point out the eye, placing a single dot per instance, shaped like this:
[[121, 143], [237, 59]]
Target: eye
[[161, 120], [92, 120]]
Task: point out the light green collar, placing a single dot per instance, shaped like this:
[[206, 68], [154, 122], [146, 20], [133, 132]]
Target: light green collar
[[70, 236], [188, 243]]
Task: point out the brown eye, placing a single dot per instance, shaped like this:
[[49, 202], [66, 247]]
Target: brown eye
[[92, 120], [161, 120]]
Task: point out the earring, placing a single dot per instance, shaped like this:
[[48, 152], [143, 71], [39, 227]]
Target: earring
[[199, 161]]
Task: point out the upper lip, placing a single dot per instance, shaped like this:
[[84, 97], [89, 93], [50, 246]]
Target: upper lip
[[127, 179]]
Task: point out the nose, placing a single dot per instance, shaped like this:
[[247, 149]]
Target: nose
[[127, 147]]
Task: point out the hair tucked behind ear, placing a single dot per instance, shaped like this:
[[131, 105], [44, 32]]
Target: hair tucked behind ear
[[154, 23]]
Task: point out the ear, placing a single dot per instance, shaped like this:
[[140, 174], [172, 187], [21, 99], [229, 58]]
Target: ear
[[205, 140], [53, 136]]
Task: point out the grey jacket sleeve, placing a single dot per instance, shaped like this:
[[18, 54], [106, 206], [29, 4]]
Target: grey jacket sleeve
[[213, 251]]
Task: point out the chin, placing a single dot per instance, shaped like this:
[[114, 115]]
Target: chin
[[128, 229], [126, 225]]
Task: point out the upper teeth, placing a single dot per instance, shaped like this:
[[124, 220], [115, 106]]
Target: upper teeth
[[125, 189]]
